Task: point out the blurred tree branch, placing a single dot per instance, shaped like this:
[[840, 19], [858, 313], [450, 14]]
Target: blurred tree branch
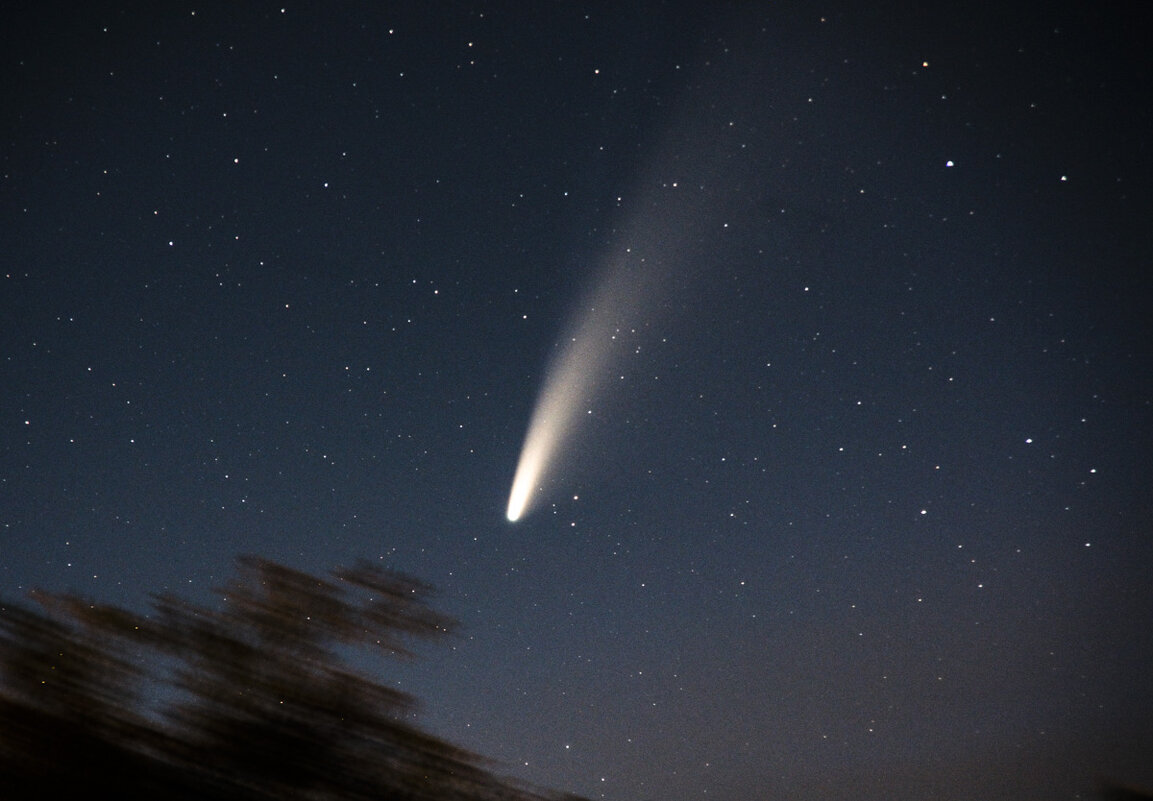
[[259, 701]]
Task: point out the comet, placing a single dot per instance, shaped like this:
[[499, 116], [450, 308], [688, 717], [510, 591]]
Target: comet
[[674, 229], [576, 376]]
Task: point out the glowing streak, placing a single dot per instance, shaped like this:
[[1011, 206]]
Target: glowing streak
[[571, 384], [678, 224], [551, 423]]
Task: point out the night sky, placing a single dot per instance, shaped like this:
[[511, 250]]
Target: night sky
[[858, 503]]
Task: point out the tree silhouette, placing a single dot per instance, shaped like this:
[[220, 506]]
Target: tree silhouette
[[251, 700], [1111, 791]]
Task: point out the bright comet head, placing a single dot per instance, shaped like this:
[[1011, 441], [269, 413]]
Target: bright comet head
[[527, 474], [539, 442]]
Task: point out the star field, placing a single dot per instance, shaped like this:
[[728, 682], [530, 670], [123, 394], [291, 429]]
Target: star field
[[861, 507]]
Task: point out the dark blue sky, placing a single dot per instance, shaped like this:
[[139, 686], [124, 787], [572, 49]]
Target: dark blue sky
[[864, 511]]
